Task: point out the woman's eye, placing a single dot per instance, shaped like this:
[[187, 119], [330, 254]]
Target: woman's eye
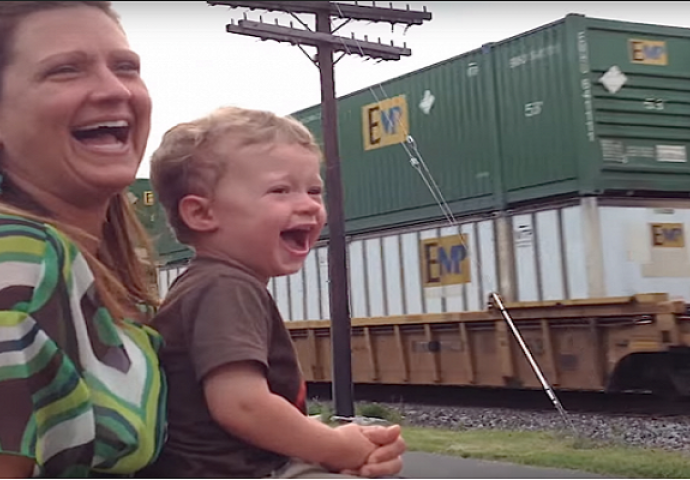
[[63, 70], [128, 67]]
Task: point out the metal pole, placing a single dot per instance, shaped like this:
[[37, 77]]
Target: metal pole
[[537, 371], [337, 255]]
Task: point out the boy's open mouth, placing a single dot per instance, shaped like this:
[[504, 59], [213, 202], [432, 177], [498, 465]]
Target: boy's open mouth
[[296, 238]]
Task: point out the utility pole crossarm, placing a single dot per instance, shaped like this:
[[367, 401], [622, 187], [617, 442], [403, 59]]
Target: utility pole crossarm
[[315, 39], [340, 10]]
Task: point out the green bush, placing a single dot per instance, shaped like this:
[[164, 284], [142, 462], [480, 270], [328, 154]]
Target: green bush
[[369, 410], [376, 410], [315, 407], [323, 409]]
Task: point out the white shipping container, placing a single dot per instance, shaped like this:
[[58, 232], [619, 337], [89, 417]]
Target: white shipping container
[[580, 249]]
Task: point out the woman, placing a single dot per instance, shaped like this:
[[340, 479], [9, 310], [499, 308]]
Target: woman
[[81, 391], [80, 386]]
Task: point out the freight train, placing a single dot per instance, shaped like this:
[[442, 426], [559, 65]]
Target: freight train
[[560, 161]]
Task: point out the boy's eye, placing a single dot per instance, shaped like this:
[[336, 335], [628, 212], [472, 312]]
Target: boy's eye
[[315, 191], [279, 190]]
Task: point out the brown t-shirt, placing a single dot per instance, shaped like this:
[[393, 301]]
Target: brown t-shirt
[[217, 313]]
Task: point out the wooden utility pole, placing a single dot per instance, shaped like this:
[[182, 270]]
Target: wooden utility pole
[[326, 44]]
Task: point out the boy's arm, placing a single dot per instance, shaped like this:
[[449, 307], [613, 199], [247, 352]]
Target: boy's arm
[[238, 398]]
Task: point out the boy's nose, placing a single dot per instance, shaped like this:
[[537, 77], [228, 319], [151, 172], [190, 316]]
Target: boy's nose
[[309, 204]]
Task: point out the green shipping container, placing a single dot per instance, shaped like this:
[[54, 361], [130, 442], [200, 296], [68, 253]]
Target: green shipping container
[[591, 106], [581, 106], [152, 216], [443, 109]]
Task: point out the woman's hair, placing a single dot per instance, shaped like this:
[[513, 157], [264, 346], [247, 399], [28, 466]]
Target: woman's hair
[[124, 281]]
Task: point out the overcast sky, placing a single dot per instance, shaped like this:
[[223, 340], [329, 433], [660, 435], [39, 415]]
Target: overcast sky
[[192, 65]]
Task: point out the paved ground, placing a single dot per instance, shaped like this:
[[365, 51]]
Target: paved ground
[[429, 465]]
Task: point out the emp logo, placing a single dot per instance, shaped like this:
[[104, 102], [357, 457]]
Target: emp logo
[[385, 123], [148, 197], [669, 235], [445, 261], [648, 52]]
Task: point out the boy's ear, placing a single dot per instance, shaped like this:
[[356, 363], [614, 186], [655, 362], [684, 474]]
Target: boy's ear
[[196, 213]]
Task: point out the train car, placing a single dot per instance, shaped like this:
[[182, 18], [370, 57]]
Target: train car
[[152, 216], [614, 344], [574, 272], [561, 156], [571, 250]]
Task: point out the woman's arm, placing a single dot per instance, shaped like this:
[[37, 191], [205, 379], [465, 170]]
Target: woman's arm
[[15, 466]]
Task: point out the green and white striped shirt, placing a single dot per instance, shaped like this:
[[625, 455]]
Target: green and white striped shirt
[[79, 394]]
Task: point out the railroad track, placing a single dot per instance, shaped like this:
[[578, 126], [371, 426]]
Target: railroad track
[[628, 404]]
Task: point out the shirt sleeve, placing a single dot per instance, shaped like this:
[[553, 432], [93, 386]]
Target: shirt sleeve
[[36, 385], [231, 323]]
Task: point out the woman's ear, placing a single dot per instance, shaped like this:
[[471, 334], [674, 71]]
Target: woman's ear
[[196, 213]]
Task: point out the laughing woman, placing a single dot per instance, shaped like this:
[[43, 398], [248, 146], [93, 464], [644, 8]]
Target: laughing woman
[[81, 391]]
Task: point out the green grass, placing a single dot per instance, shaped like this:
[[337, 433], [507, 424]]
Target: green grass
[[549, 449], [534, 448]]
